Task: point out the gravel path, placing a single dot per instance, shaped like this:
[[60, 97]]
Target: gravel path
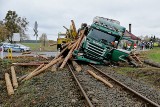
[[103, 96], [137, 85]]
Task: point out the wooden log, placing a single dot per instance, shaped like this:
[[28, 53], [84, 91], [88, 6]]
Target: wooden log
[[100, 78], [68, 56], [21, 56], [80, 40], [22, 77], [27, 64], [55, 66], [44, 57], [8, 84], [30, 74], [44, 68], [76, 66], [26, 53], [155, 64], [14, 78], [62, 52]]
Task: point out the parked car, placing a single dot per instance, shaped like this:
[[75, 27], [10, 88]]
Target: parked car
[[17, 48], [4, 45]]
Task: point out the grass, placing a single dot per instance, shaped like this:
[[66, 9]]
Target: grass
[[36, 47], [153, 54]]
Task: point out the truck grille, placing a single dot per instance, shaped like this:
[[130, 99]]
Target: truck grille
[[93, 51]]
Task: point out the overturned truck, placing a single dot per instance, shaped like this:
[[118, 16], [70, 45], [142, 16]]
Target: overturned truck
[[101, 42]]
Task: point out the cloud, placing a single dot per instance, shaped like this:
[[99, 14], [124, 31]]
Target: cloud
[[51, 15]]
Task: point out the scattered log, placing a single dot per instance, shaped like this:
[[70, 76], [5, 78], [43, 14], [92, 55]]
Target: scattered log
[[27, 64], [21, 56], [80, 39], [100, 78], [14, 78], [155, 64], [8, 84], [68, 56], [76, 66], [43, 68], [26, 52], [42, 56], [55, 66], [30, 74], [62, 52], [22, 77]]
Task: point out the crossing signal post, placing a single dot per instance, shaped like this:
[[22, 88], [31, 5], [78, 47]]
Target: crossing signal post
[[10, 53]]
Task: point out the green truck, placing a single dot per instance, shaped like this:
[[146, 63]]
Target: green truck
[[102, 41]]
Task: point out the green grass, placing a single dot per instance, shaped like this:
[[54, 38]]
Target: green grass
[[153, 54], [36, 47]]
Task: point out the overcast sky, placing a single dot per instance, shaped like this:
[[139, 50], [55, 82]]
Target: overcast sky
[[52, 15]]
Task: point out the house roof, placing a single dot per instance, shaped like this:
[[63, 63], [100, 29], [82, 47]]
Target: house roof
[[132, 36]]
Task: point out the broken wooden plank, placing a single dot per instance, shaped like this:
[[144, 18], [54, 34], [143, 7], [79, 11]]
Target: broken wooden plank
[[9, 84], [14, 78], [100, 78]]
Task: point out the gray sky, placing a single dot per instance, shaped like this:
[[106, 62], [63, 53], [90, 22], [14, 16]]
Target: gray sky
[[52, 15]]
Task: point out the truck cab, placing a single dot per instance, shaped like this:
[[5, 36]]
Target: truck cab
[[101, 42]]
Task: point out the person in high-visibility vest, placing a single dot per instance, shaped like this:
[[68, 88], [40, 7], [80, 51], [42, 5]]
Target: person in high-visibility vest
[[10, 53]]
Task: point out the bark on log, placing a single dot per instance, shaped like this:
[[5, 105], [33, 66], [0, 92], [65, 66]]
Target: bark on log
[[55, 66], [8, 84], [14, 78], [44, 68], [100, 78], [30, 74], [76, 66]]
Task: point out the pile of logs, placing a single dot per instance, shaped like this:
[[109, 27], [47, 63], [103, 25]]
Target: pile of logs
[[59, 61]]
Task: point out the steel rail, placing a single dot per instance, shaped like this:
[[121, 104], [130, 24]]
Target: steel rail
[[128, 88], [84, 93]]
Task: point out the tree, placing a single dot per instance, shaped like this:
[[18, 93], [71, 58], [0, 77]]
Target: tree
[[3, 33], [43, 39], [15, 24]]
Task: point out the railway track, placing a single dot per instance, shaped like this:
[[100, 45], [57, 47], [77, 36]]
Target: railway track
[[145, 101], [150, 102]]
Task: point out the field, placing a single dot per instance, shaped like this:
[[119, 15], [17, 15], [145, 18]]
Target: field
[[153, 54], [37, 46]]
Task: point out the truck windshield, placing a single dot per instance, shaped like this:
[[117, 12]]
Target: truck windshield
[[101, 36]]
